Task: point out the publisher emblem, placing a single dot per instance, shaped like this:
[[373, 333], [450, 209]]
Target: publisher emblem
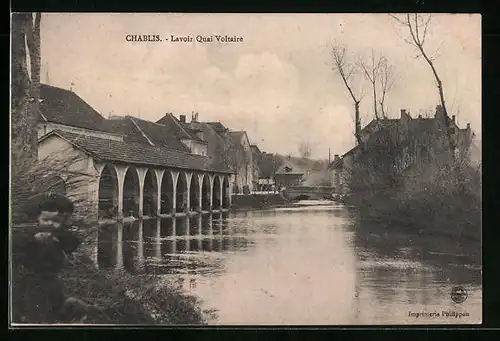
[[459, 295]]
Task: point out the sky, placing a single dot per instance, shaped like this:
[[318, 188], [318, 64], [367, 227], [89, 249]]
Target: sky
[[278, 84]]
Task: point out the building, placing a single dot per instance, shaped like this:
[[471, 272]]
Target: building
[[397, 147], [131, 166], [288, 175], [238, 155]]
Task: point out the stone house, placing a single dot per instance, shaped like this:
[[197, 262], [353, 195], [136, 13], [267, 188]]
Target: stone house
[[402, 146], [288, 175]]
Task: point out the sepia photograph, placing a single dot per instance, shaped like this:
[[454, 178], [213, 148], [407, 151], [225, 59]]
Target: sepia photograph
[[223, 169]]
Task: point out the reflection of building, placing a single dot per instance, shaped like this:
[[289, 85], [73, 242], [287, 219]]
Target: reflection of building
[[130, 166]]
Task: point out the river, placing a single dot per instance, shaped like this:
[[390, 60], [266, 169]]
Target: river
[[313, 264]]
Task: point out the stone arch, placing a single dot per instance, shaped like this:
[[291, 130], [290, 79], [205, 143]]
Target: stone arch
[[216, 193], [225, 192], [131, 190], [167, 193], [108, 192], [194, 193], [205, 193], [181, 193], [150, 194]]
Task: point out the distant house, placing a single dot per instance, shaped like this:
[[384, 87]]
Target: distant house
[[288, 175], [402, 145]]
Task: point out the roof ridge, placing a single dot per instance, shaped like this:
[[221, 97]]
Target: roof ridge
[[141, 131], [172, 117]]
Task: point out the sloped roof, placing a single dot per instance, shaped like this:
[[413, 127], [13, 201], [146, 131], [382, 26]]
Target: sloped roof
[[177, 128], [136, 153], [217, 126], [127, 128], [336, 164], [255, 149], [237, 135], [161, 135], [294, 169], [66, 107]]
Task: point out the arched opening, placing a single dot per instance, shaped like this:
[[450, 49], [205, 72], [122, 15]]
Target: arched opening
[[194, 193], [108, 193], [131, 193], [225, 193], [167, 193], [181, 193], [216, 193], [150, 200], [205, 193]]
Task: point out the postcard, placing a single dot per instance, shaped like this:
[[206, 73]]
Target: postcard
[[245, 169]]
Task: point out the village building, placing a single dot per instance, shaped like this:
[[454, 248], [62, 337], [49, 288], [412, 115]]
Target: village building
[[404, 145], [288, 175], [131, 166]]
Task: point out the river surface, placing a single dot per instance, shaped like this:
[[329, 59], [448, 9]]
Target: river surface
[[313, 264]]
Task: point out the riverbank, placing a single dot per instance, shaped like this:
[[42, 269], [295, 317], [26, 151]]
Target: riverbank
[[259, 201]]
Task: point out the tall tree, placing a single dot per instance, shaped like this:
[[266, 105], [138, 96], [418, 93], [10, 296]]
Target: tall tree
[[25, 88], [346, 69], [417, 26], [371, 70], [387, 80]]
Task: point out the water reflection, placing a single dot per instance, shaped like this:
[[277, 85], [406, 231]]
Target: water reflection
[[307, 265]]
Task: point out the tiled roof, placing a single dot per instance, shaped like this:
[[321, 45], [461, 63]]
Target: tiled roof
[[295, 170], [336, 164], [255, 149], [177, 128], [66, 107], [127, 128], [237, 135], [136, 153], [162, 135], [217, 126]]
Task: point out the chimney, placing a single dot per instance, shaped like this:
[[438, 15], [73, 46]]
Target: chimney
[[403, 112], [336, 157], [419, 116], [182, 118], [453, 118], [468, 126]]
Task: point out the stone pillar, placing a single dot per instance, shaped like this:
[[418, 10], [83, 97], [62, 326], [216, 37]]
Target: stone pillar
[[187, 196], [230, 194], [175, 177], [200, 192], [211, 177], [221, 194], [120, 172], [174, 236], [141, 173], [159, 178], [187, 236]]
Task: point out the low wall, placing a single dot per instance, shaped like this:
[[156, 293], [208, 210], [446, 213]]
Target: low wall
[[258, 201]]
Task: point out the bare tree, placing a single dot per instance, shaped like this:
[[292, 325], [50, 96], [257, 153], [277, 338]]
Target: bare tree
[[346, 70], [25, 85], [387, 80], [305, 149], [371, 70], [417, 25]]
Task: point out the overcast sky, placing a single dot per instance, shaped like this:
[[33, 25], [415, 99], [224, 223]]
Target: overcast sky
[[277, 84]]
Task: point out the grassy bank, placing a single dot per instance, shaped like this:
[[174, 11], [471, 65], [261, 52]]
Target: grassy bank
[[444, 204]]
